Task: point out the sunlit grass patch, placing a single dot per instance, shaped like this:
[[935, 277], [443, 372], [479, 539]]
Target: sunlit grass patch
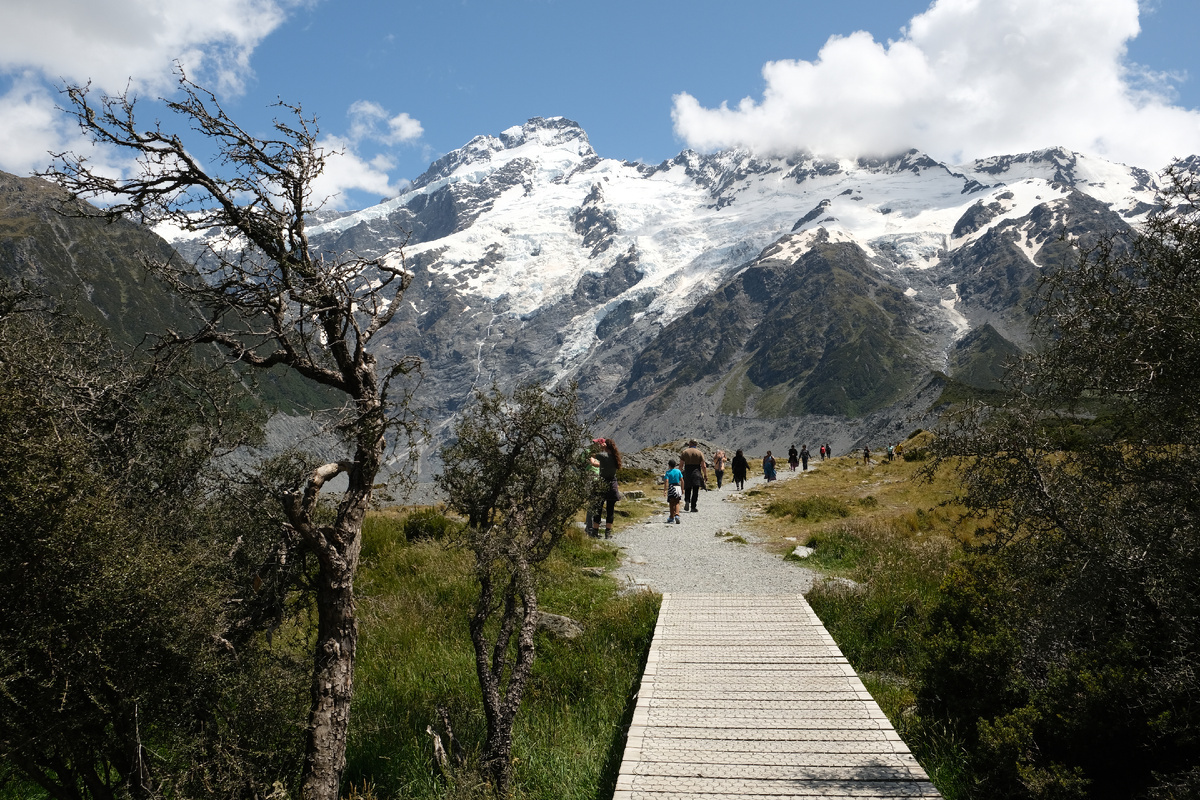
[[415, 657]]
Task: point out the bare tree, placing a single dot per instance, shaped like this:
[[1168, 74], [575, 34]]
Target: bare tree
[[518, 472], [270, 298]]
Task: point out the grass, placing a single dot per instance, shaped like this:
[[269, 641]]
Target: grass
[[415, 657], [891, 536], [814, 508]]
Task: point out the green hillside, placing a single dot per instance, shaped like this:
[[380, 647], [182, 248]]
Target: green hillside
[[822, 335], [96, 269]]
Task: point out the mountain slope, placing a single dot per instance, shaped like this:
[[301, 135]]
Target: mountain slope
[[727, 293], [96, 269], [822, 334]]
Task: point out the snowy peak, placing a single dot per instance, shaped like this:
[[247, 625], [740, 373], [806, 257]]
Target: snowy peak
[[1054, 164], [913, 161], [557, 143], [552, 133], [1129, 190], [738, 287]]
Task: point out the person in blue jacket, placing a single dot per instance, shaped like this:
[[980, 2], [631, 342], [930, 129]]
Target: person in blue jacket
[[674, 487]]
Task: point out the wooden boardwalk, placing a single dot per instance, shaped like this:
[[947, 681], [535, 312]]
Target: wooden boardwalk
[[749, 697]]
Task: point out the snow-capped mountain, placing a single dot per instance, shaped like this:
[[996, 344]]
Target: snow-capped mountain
[[736, 298]]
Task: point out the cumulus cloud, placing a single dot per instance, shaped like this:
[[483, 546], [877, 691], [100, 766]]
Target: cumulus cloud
[[31, 126], [135, 44], [347, 171], [968, 78], [116, 45], [118, 42], [370, 122]]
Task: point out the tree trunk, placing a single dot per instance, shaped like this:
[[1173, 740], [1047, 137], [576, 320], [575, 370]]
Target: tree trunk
[[501, 703], [337, 637], [332, 688]]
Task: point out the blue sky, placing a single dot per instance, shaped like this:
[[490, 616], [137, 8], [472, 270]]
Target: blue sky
[[396, 84]]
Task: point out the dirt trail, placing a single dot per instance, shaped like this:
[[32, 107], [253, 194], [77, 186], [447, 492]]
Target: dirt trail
[[692, 556]]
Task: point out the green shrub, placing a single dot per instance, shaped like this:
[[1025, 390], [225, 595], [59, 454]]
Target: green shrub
[[810, 509], [429, 523], [633, 475]]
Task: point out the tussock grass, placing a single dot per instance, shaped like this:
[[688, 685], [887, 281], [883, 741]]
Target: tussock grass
[[814, 508], [882, 627], [879, 629], [415, 656]]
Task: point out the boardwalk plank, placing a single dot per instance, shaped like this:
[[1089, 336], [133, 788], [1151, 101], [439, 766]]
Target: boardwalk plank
[[748, 697]]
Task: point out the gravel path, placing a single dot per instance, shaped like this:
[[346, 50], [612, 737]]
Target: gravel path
[[692, 558]]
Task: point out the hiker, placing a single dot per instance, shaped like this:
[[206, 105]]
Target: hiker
[[769, 467], [822, 452], [891, 452], [900, 450], [828, 451], [804, 457], [866, 456], [607, 490], [740, 467], [674, 483], [695, 474], [591, 523], [719, 466], [793, 458]]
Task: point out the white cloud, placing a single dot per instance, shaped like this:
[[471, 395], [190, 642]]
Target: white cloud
[[116, 42], [32, 127], [350, 170], [346, 171], [119, 44], [370, 122], [969, 78]]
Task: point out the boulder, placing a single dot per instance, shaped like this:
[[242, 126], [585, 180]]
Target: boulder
[[558, 625]]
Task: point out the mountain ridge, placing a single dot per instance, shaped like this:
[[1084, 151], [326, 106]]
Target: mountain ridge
[[725, 294], [536, 259]]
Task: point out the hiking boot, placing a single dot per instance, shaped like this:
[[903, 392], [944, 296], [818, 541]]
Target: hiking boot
[[677, 522]]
